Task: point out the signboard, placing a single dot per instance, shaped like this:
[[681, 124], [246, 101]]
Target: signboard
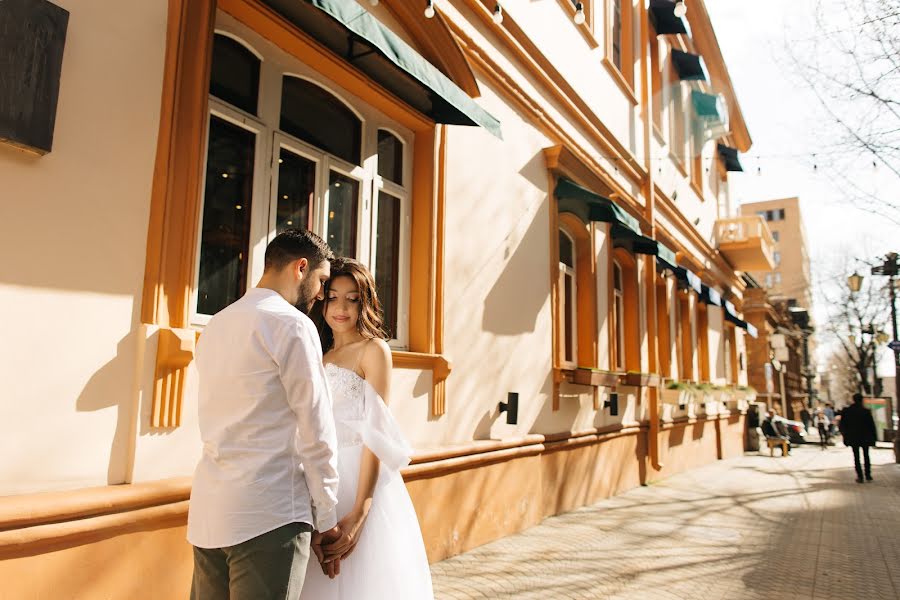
[[880, 408], [32, 38]]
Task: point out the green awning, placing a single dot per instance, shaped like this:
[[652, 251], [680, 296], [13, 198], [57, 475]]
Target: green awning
[[352, 33], [731, 315], [689, 278], [598, 207], [710, 296], [666, 257], [708, 106], [690, 67]]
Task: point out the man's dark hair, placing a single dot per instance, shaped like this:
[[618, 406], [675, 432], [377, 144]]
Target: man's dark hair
[[293, 244], [857, 398]]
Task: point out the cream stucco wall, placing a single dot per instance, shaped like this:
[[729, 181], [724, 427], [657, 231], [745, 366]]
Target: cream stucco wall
[[73, 227]]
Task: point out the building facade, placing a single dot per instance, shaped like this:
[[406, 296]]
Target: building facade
[[543, 199], [790, 278]]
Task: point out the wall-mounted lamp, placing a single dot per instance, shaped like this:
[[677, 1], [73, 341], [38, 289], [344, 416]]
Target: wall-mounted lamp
[[511, 408], [613, 403], [498, 14]]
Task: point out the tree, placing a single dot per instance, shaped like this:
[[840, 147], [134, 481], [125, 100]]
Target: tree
[[857, 322], [852, 65]]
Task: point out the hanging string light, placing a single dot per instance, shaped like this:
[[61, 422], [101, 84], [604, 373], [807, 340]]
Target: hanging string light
[[680, 9], [373, 2], [429, 9], [498, 14], [579, 13]]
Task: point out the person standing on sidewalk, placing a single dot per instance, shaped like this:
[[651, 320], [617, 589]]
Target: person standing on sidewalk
[[822, 423], [265, 488], [858, 429]]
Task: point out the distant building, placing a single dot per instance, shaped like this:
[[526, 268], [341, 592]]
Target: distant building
[[790, 278]]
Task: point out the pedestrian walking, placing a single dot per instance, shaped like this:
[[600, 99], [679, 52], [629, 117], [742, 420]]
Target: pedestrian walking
[[858, 429], [822, 423]]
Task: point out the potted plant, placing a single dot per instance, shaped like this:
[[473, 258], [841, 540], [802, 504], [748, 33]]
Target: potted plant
[[676, 393]]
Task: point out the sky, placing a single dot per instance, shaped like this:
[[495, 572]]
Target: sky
[[791, 134]]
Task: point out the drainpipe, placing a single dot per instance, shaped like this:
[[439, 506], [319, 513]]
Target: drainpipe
[[650, 270]]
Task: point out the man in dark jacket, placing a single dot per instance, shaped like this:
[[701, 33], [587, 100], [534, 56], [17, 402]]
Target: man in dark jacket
[[858, 429]]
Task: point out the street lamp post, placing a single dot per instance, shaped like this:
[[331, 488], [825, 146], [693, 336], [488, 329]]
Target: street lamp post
[[889, 268]]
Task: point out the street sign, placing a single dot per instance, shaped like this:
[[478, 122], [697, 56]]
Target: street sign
[[895, 345]]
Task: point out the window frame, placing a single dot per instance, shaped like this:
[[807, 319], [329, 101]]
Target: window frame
[[618, 311], [677, 118], [275, 66], [622, 74], [567, 345]]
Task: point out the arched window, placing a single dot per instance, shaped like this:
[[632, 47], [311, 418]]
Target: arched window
[[314, 115], [234, 77], [568, 297], [286, 152]]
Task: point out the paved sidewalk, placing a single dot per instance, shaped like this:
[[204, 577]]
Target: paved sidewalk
[[752, 527]]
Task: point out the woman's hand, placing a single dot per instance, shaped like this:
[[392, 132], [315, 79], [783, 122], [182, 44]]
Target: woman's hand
[[351, 525]]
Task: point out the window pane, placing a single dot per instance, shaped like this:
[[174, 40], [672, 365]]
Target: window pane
[[387, 258], [235, 74], [619, 318], [296, 190], [617, 277], [226, 217], [343, 200], [566, 250], [390, 157], [315, 116], [570, 317], [617, 33]]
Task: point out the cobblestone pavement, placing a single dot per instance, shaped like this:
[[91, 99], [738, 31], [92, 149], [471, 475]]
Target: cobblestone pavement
[[751, 527]]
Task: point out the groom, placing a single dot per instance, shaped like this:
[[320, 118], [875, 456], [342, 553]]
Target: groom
[[264, 411]]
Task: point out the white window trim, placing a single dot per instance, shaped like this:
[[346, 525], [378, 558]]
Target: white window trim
[[275, 65]]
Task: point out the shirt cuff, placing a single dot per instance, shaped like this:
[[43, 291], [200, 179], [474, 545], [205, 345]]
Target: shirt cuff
[[326, 520]]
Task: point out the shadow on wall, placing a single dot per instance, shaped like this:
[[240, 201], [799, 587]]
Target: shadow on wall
[[517, 296], [112, 385]]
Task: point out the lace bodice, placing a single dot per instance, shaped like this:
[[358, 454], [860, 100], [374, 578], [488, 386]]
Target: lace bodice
[[348, 403], [362, 417]]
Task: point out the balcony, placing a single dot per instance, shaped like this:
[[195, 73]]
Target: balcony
[[746, 243]]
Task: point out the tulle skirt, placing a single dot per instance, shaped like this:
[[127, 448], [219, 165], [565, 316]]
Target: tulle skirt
[[389, 561]]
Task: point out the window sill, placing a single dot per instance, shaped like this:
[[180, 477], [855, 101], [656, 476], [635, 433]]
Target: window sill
[[658, 134], [620, 80], [588, 376], [698, 190], [440, 368], [679, 164]]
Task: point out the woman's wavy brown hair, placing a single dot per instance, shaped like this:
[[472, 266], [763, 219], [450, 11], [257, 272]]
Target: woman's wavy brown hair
[[370, 323]]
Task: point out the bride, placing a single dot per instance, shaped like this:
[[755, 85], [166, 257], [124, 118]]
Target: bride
[[384, 556]]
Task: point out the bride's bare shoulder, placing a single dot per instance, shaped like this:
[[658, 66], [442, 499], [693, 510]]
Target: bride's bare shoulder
[[376, 365]]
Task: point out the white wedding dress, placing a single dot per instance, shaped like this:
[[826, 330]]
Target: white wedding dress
[[389, 560]]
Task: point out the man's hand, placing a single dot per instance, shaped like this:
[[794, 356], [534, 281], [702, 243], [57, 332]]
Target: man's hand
[[331, 565], [351, 528]]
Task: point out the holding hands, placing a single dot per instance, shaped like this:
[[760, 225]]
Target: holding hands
[[336, 544]]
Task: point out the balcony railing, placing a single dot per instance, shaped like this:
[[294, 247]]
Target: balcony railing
[[746, 242]]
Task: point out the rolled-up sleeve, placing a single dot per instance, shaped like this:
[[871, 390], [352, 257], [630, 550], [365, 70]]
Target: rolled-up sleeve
[[303, 376]]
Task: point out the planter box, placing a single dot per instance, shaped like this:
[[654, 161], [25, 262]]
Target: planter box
[[640, 379], [594, 377], [675, 396]]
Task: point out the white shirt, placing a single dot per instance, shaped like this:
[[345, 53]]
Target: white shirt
[[266, 423]]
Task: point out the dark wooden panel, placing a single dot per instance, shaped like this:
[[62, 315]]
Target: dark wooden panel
[[32, 38]]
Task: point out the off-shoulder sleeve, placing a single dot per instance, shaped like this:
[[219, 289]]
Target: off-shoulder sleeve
[[380, 432]]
